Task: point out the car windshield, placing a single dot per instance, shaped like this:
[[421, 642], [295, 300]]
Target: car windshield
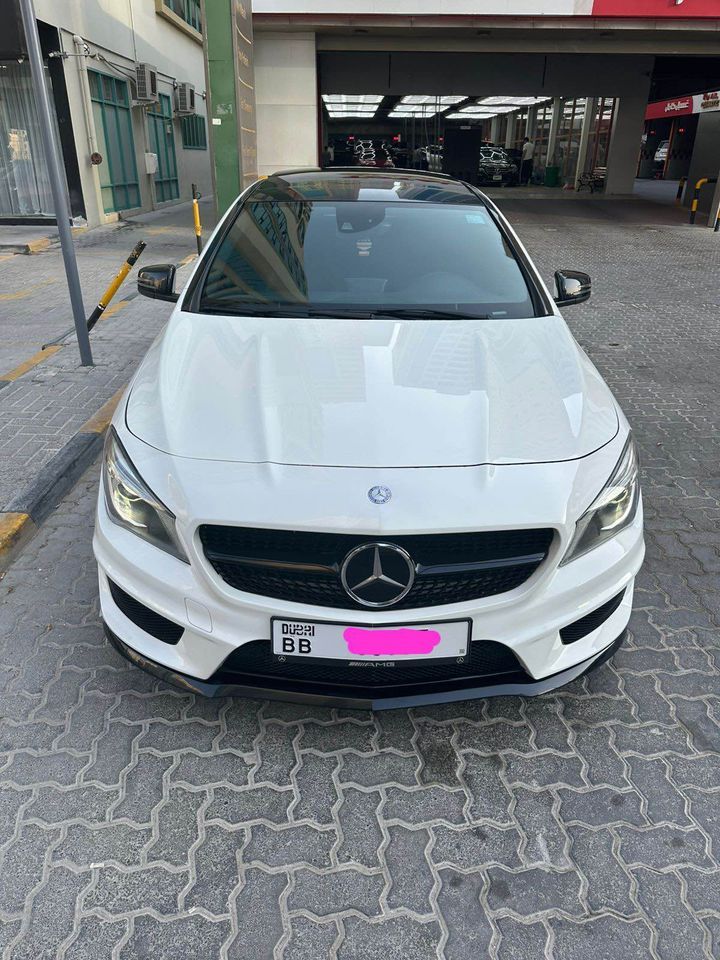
[[297, 258]]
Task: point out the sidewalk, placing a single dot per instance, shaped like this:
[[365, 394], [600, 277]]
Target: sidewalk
[[47, 397]]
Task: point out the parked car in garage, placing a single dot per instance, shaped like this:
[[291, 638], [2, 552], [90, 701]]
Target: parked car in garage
[[366, 462], [373, 153], [496, 167]]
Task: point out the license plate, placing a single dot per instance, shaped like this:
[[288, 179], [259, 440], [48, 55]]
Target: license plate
[[497, 176], [337, 641]]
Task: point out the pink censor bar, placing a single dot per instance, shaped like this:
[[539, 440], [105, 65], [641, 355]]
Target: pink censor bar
[[390, 643]]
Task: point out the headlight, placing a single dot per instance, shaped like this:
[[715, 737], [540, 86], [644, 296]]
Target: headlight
[[132, 505], [612, 510]]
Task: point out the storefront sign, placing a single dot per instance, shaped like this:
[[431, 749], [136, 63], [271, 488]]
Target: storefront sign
[[685, 10], [683, 106]]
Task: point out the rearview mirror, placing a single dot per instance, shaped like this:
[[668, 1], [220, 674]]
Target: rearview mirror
[[158, 282], [573, 286]]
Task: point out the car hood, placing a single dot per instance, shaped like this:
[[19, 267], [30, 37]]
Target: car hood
[[370, 393]]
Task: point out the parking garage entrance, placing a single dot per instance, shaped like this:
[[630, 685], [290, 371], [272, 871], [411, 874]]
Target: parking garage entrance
[[491, 119]]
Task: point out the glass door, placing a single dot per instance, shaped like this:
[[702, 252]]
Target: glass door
[[24, 181]]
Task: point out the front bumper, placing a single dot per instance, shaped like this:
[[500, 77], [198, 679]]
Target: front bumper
[[528, 688], [217, 621]]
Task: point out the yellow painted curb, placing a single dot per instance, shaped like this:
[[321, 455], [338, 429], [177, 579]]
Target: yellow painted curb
[[37, 246], [28, 364], [14, 527], [100, 421]]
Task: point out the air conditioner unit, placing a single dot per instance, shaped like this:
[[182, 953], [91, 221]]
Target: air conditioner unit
[[185, 99], [146, 86]]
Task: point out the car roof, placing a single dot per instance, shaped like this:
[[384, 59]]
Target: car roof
[[358, 183]]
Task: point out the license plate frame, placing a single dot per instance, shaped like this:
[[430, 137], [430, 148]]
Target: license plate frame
[[455, 647]]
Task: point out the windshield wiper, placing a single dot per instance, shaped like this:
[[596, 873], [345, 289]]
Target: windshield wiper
[[239, 308], [427, 313]]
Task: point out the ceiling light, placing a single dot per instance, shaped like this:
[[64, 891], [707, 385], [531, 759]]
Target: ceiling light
[[432, 101], [351, 98]]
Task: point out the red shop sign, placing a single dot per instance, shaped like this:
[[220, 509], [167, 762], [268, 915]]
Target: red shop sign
[[677, 107]]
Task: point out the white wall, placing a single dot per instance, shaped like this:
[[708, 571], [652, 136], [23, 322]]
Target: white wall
[[286, 100], [125, 31]]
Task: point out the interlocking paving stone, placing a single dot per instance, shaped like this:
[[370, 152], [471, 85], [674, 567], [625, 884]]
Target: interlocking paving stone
[[95, 938], [119, 891], [425, 805], [296, 844], [603, 806], [469, 930], [678, 933], [475, 847], [413, 880], [325, 894], [437, 753], [545, 839], [84, 845], [240, 806], [662, 847], [315, 788], [490, 795], [361, 833], [276, 756], [609, 886], [533, 891], [160, 940], [394, 937], [310, 940], [216, 869], [606, 937], [378, 769], [520, 941], [452, 832]]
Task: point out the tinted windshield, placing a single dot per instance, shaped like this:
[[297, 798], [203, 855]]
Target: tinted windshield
[[365, 255]]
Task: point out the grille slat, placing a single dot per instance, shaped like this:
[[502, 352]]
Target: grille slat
[[303, 567]]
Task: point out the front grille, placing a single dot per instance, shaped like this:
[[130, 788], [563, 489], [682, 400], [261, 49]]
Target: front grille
[[153, 623], [585, 625], [303, 567], [254, 665]]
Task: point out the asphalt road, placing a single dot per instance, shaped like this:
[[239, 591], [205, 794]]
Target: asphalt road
[[137, 821]]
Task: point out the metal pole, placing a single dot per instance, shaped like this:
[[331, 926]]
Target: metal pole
[[57, 182]]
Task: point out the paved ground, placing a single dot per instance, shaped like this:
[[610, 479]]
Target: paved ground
[[141, 822], [40, 411]]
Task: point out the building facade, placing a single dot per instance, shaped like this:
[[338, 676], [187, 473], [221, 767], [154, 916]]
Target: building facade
[[133, 139]]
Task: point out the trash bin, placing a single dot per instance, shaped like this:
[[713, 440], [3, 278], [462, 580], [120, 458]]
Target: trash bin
[[552, 176]]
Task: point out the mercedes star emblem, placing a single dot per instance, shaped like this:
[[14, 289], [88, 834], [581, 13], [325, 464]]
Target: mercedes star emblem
[[377, 574], [379, 494]]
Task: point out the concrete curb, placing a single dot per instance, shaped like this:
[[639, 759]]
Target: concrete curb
[[21, 518]]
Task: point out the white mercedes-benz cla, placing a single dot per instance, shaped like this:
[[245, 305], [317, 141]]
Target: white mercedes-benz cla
[[366, 463]]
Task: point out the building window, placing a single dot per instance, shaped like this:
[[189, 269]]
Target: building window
[[187, 10], [113, 126], [194, 136]]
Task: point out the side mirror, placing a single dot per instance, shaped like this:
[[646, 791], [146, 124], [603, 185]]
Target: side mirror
[[573, 286], [158, 282]]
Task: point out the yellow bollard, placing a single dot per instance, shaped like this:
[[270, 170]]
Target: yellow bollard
[[115, 285], [196, 218]]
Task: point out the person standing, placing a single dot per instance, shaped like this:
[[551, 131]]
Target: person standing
[[526, 164]]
